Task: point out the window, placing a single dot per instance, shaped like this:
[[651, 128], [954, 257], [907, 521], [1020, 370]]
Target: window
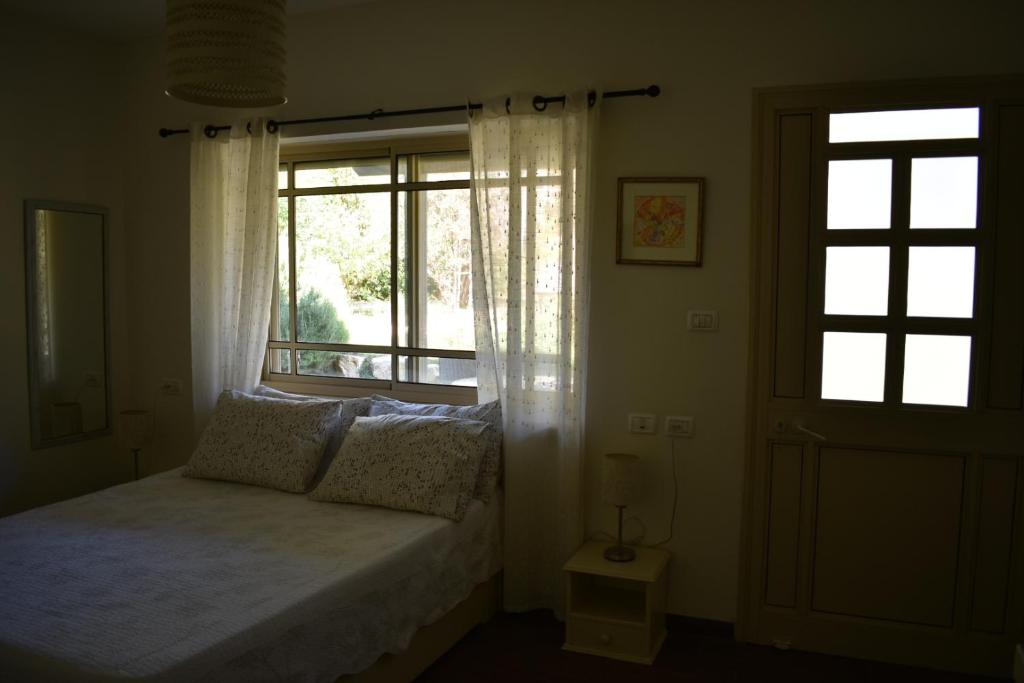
[[899, 240], [374, 261]]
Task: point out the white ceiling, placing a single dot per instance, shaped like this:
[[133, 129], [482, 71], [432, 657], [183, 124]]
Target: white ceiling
[[126, 19]]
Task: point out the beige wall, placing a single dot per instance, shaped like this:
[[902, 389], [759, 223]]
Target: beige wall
[[707, 56], [60, 121]]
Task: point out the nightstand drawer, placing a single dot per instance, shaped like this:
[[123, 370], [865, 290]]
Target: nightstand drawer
[[601, 637]]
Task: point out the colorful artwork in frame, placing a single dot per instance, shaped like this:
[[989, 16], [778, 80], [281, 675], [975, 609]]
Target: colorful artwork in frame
[[660, 221]]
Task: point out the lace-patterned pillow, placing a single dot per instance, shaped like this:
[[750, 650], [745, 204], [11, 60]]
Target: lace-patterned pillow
[[490, 467], [263, 441], [408, 462]]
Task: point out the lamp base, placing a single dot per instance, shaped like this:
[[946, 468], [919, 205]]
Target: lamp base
[[619, 553]]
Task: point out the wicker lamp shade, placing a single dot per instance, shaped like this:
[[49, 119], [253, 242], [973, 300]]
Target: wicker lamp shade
[[226, 53]]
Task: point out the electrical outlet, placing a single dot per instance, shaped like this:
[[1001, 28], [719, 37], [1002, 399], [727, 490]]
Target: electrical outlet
[[677, 425], [170, 387], [92, 380], [702, 321], [642, 423]]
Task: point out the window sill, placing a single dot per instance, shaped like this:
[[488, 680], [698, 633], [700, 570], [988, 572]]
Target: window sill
[[414, 393]]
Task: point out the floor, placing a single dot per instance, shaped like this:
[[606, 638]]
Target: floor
[[527, 648]]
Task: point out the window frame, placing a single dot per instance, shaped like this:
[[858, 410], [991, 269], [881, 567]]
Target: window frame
[[391, 148]]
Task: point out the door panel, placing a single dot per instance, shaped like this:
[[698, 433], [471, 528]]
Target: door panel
[[885, 520]]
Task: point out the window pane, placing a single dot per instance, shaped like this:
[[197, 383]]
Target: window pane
[[859, 194], [281, 361], [944, 192], [459, 372], [445, 299], [857, 280], [280, 318], [282, 177], [940, 282], [853, 366], [343, 259], [344, 364], [937, 370], [343, 172], [404, 272], [910, 124], [442, 166]]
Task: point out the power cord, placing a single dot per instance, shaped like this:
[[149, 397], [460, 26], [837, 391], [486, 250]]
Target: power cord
[[675, 500]]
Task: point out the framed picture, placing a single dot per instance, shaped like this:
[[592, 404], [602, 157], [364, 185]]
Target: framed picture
[[660, 221]]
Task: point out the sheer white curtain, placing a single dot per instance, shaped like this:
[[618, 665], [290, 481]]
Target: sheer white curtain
[[233, 254], [530, 193]]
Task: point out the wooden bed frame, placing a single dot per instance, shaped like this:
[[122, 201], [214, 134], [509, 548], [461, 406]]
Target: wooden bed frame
[[433, 640]]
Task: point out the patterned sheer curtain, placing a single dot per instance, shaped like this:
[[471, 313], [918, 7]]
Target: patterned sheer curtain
[[530, 193], [233, 255]]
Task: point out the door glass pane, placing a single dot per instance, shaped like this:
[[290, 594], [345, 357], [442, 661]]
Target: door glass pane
[[459, 372], [857, 281], [343, 264], [859, 194], [853, 366], [908, 124], [343, 172], [944, 192], [344, 364], [937, 370], [280, 318], [940, 282], [281, 361]]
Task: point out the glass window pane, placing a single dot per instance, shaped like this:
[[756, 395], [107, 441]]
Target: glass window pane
[[404, 269], [343, 263], [343, 172], [445, 292], [940, 282], [857, 280], [446, 166], [853, 366], [937, 370], [944, 192], [909, 124], [281, 361], [859, 194], [344, 364], [458, 372], [280, 317], [282, 177]]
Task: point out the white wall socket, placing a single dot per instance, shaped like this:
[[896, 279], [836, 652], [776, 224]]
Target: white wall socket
[[642, 423], [678, 425], [702, 321], [170, 387]]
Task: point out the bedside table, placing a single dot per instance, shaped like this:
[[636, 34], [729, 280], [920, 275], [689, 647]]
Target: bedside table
[[616, 609]]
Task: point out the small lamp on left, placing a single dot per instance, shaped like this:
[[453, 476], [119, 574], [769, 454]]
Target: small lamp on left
[[134, 429]]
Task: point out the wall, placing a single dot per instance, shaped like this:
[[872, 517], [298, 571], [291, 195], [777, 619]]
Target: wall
[[707, 57], [61, 125]]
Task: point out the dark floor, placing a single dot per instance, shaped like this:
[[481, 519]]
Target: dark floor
[[527, 647]]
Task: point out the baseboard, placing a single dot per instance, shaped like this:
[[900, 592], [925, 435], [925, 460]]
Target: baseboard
[[677, 623]]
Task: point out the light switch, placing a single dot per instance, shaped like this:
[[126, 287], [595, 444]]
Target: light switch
[[642, 423], [676, 425]]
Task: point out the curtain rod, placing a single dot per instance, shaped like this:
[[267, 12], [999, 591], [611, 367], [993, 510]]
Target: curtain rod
[[540, 103]]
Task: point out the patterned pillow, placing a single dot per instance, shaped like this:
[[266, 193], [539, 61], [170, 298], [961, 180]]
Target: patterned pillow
[[408, 462], [264, 441], [351, 409], [490, 468]]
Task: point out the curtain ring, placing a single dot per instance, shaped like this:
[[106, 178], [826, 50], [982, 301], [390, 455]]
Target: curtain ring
[[591, 98], [210, 131], [508, 105], [373, 114], [248, 127], [539, 103], [272, 126]]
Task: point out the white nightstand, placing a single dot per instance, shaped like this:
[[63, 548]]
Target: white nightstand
[[616, 609]]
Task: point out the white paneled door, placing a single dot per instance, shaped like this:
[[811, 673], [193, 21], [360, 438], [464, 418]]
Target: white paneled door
[[885, 491]]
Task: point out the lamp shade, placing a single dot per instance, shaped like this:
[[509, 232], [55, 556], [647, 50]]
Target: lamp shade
[[134, 428], [226, 53], [621, 478]]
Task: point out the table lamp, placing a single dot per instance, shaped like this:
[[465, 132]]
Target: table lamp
[[134, 431], [620, 486]]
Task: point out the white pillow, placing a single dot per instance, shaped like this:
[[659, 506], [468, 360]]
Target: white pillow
[[264, 441], [408, 462], [490, 467]]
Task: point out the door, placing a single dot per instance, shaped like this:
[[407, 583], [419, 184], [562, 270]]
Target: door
[[884, 484]]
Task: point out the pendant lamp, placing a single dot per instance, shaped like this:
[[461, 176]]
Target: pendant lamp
[[226, 53]]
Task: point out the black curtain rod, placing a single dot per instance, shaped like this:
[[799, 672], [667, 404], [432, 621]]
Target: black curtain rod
[[540, 103]]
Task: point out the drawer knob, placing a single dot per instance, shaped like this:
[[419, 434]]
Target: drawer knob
[[606, 638]]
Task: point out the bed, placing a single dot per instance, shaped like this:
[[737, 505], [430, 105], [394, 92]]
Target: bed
[[180, 579]]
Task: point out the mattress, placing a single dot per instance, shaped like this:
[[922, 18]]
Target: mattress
[[183, 579]]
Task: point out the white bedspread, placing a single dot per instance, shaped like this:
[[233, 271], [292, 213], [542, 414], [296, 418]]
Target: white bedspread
[[183, 579]]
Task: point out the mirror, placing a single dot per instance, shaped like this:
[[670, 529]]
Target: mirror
[[68, 333]]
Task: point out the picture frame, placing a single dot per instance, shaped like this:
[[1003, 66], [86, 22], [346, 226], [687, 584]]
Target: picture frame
[[660, 221]]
